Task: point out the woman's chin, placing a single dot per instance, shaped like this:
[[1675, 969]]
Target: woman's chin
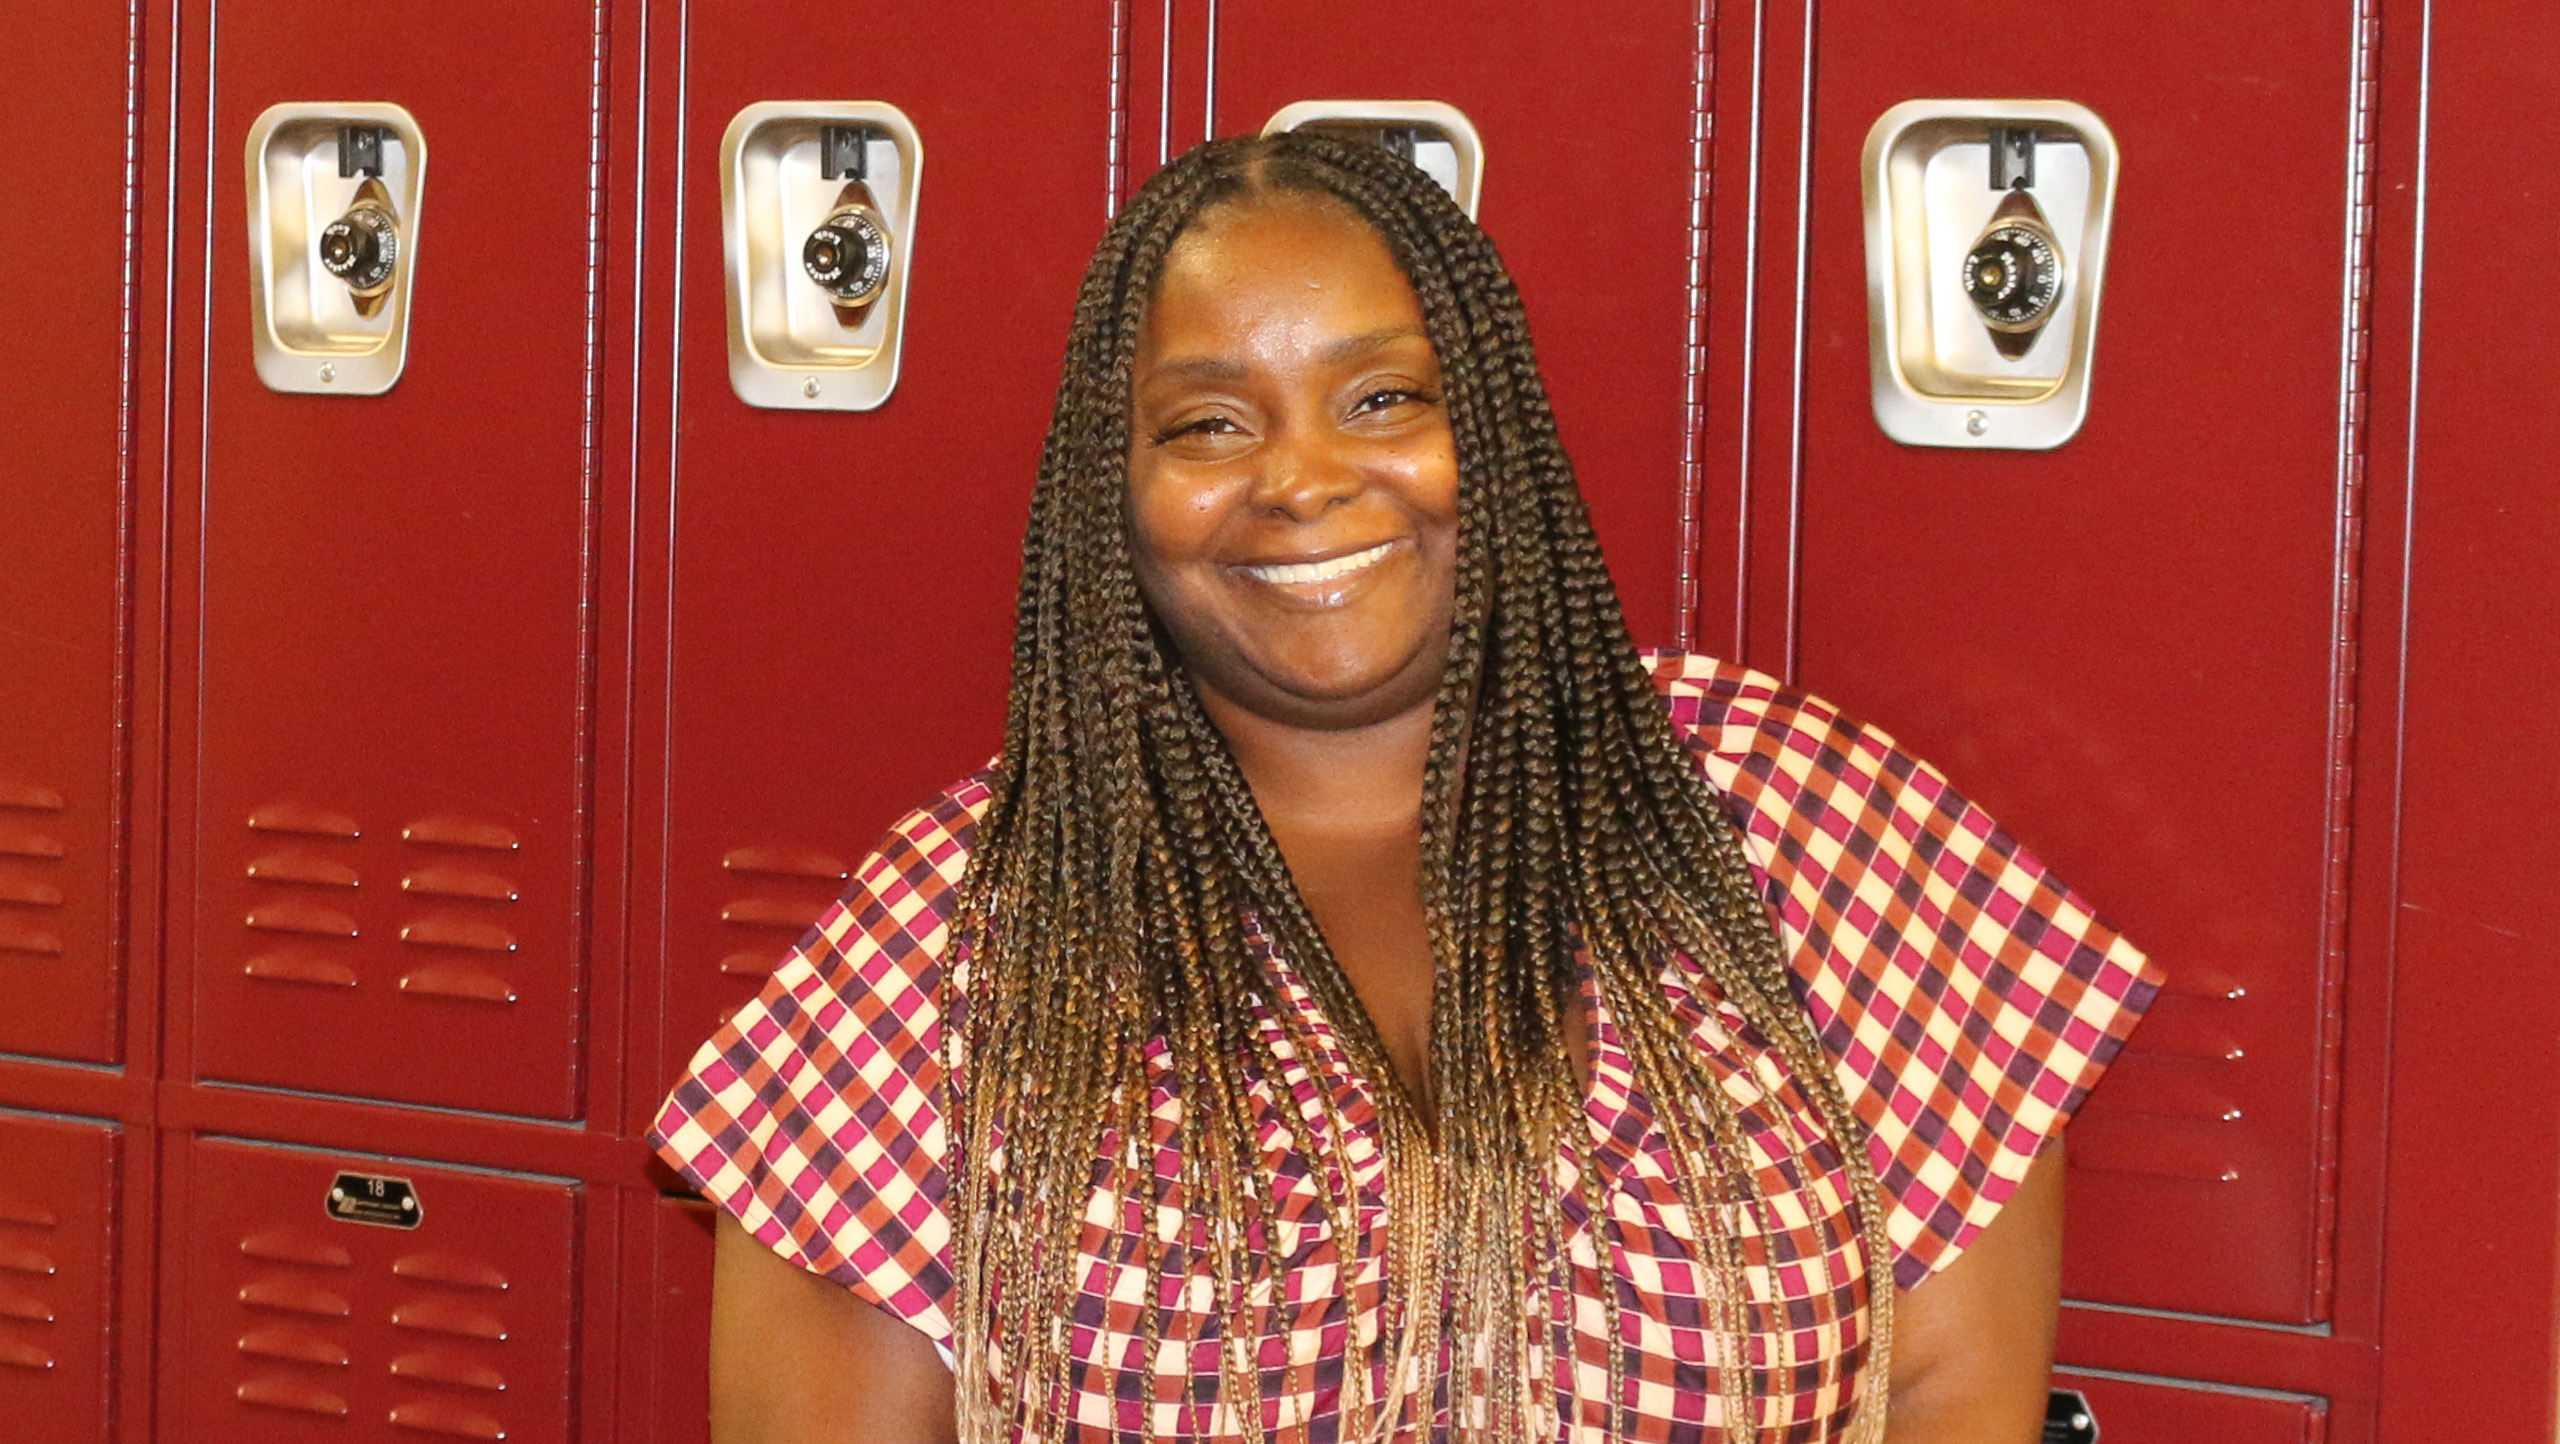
[[1337, 696]]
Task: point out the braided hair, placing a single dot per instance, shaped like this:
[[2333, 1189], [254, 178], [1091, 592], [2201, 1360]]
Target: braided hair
[[1122, 869]]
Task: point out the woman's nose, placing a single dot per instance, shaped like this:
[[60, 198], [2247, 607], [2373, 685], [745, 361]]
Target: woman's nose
[[1302, 476]]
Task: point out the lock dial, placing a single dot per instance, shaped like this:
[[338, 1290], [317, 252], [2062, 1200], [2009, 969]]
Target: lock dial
[[848, 255], [362, 247], [2013, 275]]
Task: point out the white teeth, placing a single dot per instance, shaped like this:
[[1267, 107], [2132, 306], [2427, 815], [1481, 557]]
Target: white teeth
[[1296, 572]]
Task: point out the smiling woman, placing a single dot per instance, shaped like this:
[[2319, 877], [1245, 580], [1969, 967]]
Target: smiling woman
[[1293, 490], [1368, 998]]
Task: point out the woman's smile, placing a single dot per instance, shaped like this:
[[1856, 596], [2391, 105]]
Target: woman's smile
[[1324, 582]]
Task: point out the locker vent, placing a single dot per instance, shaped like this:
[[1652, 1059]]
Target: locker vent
[[27, 1270], [30, 871], [791, 888]]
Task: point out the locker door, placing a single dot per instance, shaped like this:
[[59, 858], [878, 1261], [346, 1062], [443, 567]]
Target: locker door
[[2137, 650], [399, 592], [299, 1324], [1591, 202], [67, 319], [841, 585], [57, 1275]]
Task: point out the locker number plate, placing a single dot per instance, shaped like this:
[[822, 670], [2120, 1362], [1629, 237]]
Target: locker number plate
[[371, 1198], [2068, 1420]]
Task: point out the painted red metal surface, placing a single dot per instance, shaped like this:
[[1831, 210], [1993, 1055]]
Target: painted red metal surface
[[68, 328], [59, 1344], [837, 621], [1590, 203], [296, 1324], [396, 598], [2469, 1274], [2130, 648]]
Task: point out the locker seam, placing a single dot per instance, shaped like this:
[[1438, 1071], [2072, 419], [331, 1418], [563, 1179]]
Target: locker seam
[[1693, 399], [1116, 89], [2199, 1386], [2337, 841]]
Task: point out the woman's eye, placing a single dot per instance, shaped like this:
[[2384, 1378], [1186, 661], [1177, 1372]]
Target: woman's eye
[[1388, 399], [1205, 426]]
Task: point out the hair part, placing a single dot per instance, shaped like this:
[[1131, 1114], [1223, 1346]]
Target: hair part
[[1123, 864]]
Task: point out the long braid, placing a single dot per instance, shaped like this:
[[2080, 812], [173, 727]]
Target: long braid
[[1124, 879]]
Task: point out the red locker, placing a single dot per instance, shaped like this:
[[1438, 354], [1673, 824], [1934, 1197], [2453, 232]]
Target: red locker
[[69, 312], [2138, 650], [838, 608], [398, 596], [1593, 203], [58, 1331], [450, 1316]]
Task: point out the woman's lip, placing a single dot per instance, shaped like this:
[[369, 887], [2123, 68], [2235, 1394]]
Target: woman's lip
[[1316, 571]]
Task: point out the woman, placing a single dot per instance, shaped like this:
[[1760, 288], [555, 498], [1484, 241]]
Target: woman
[[1367, 998]]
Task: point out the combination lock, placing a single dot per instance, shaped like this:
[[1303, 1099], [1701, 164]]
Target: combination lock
[[848, 255], [2013, 275], [362, 247]]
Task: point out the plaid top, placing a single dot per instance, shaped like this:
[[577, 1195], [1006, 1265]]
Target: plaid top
[[1967, 996]]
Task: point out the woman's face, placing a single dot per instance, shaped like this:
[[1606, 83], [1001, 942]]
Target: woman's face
[[1293, 485]]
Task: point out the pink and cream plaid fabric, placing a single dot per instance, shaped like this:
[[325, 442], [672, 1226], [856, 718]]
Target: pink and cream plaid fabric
[[1968, 998]]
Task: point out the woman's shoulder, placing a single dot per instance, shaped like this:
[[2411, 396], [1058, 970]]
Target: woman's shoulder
[[1729, 712], [892, 924]]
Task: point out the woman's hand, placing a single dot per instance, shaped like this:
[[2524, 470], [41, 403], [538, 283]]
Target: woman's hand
[[1973, 1343], [797, 1359]]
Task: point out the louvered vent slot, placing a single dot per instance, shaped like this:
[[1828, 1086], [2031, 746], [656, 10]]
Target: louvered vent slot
[[304, 920], [294, 1343], [457, 1352], [32, 858], [778, 894], [463, 939]]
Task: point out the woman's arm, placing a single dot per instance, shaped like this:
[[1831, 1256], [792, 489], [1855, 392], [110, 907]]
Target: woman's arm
[[797, 1359], [1973, 1343]]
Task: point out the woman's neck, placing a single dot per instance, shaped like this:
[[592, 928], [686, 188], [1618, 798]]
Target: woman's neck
[[1359, 781]]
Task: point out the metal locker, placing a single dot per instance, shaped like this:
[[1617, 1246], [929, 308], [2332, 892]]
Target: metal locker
[[329, 1295], [1592, 208], [57, 1276], [2137, 650], [838, 613], [69, 310], [398, 602]]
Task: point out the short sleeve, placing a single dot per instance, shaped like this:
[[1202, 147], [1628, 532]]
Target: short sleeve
[[815, 1115], [1968, 997]]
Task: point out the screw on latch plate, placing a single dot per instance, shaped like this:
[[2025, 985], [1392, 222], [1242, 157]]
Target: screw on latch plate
[[360, 150], [2013, 159], [844, 152]]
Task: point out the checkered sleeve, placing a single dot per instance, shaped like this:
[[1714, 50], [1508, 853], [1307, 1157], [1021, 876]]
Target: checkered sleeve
[[815, 1115], [1969, 998]]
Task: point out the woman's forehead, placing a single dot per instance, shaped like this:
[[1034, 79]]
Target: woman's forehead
[[1274, 260]]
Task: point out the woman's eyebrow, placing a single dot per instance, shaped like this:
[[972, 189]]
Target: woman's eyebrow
[[1227, 368], [1201, 368], [1350, 346]]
